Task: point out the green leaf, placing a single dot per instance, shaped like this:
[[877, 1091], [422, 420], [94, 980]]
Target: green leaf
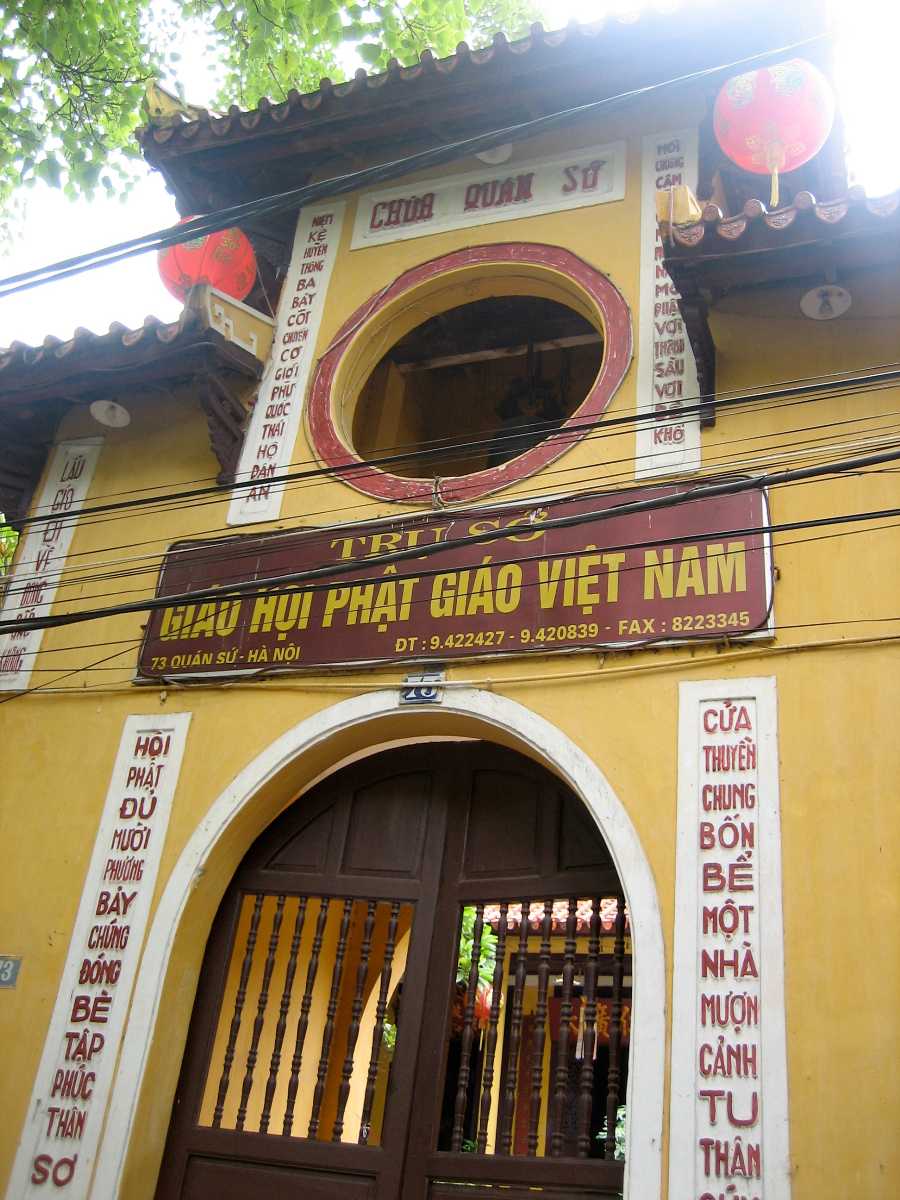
[[369, 52], [73, 75], [50, 171]]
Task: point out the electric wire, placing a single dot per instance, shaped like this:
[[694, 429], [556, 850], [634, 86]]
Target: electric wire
[[705, 638], [234, 556], [703, 401], [737, 652], [332, 570], [253, 544], [820, 389], [769, 454], [380, 173]]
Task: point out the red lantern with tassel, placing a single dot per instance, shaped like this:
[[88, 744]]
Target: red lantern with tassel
[[774, 119], [225, 260]]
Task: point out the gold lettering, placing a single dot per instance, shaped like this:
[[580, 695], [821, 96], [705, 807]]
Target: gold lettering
[[539, 514], [406, 590], [548, 580], [587, 579], [571, 566], [346, 545], [289, 611], [481, 598], [360, 605], [613, 562], [442, 590], [263, 614], [726, 568], [659, 575], [690, 574], [335, 598], [227, 617], [484, 526], [385, 606], [204, 625], [462, 592], [509, 588], [170, 626], [380, 542]]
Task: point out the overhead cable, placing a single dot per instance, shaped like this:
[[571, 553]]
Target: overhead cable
[[334, 570], [381, 173]]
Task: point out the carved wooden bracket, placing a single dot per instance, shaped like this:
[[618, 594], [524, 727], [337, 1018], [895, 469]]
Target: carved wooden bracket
[[25, 438], [226, 417], [694, 308], [695, 314]]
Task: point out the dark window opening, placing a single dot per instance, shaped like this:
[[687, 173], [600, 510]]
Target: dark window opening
[[476, 386]]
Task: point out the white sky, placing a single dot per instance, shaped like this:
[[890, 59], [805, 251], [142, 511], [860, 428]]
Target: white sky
[[55, 228]]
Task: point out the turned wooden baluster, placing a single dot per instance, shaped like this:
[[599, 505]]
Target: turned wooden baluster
[[540, 1031], [487, 1082], [239, 999], [303, 1018], [378, 1031], [331, 1011], [362, 972], [615, 1031], [468, 1034], [508, 1102], [557, 1136], [261, 1005], [589, 1034], [281, 1026]]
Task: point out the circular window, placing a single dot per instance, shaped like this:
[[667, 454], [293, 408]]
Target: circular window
[[469, 372], [476, 386]]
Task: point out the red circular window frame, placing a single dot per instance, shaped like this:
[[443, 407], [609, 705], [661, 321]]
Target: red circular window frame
[[376, 482]]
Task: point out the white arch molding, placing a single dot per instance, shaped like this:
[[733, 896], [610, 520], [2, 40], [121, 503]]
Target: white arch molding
[[532, 734]]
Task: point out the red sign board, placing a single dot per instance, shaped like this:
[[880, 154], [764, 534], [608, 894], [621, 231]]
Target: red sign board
[[563, 575]]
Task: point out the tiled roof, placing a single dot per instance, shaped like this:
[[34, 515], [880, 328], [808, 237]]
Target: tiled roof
[[278, 145], [364, 88], [74, 361], [715, 233], [22, 355]]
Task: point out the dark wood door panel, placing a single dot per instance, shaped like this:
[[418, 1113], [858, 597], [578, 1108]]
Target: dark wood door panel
[[409, 836], [226, 1179], [305, 850], [503, 824], [533, 1172], [386, 830]]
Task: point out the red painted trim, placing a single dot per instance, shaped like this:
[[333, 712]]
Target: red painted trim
[[616, 358]]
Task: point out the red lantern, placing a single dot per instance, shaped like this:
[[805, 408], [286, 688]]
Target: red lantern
[[774, 119], [225, 260]]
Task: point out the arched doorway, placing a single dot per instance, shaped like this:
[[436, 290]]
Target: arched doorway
[[375, 1017]]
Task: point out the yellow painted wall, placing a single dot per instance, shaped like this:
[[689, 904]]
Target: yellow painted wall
[[838, 691]]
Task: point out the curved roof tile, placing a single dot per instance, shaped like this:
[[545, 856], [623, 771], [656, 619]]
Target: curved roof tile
[[328, 93], [714, 232]]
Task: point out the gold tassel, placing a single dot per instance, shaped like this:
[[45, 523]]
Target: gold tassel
[[773, 194]]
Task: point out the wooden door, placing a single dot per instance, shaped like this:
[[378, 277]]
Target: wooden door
[[404, 995]]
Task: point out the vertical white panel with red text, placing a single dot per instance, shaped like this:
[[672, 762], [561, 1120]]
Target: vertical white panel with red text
[[667, 440], [65, 1115], [268, 448], [41, 558], [729, 1104]]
